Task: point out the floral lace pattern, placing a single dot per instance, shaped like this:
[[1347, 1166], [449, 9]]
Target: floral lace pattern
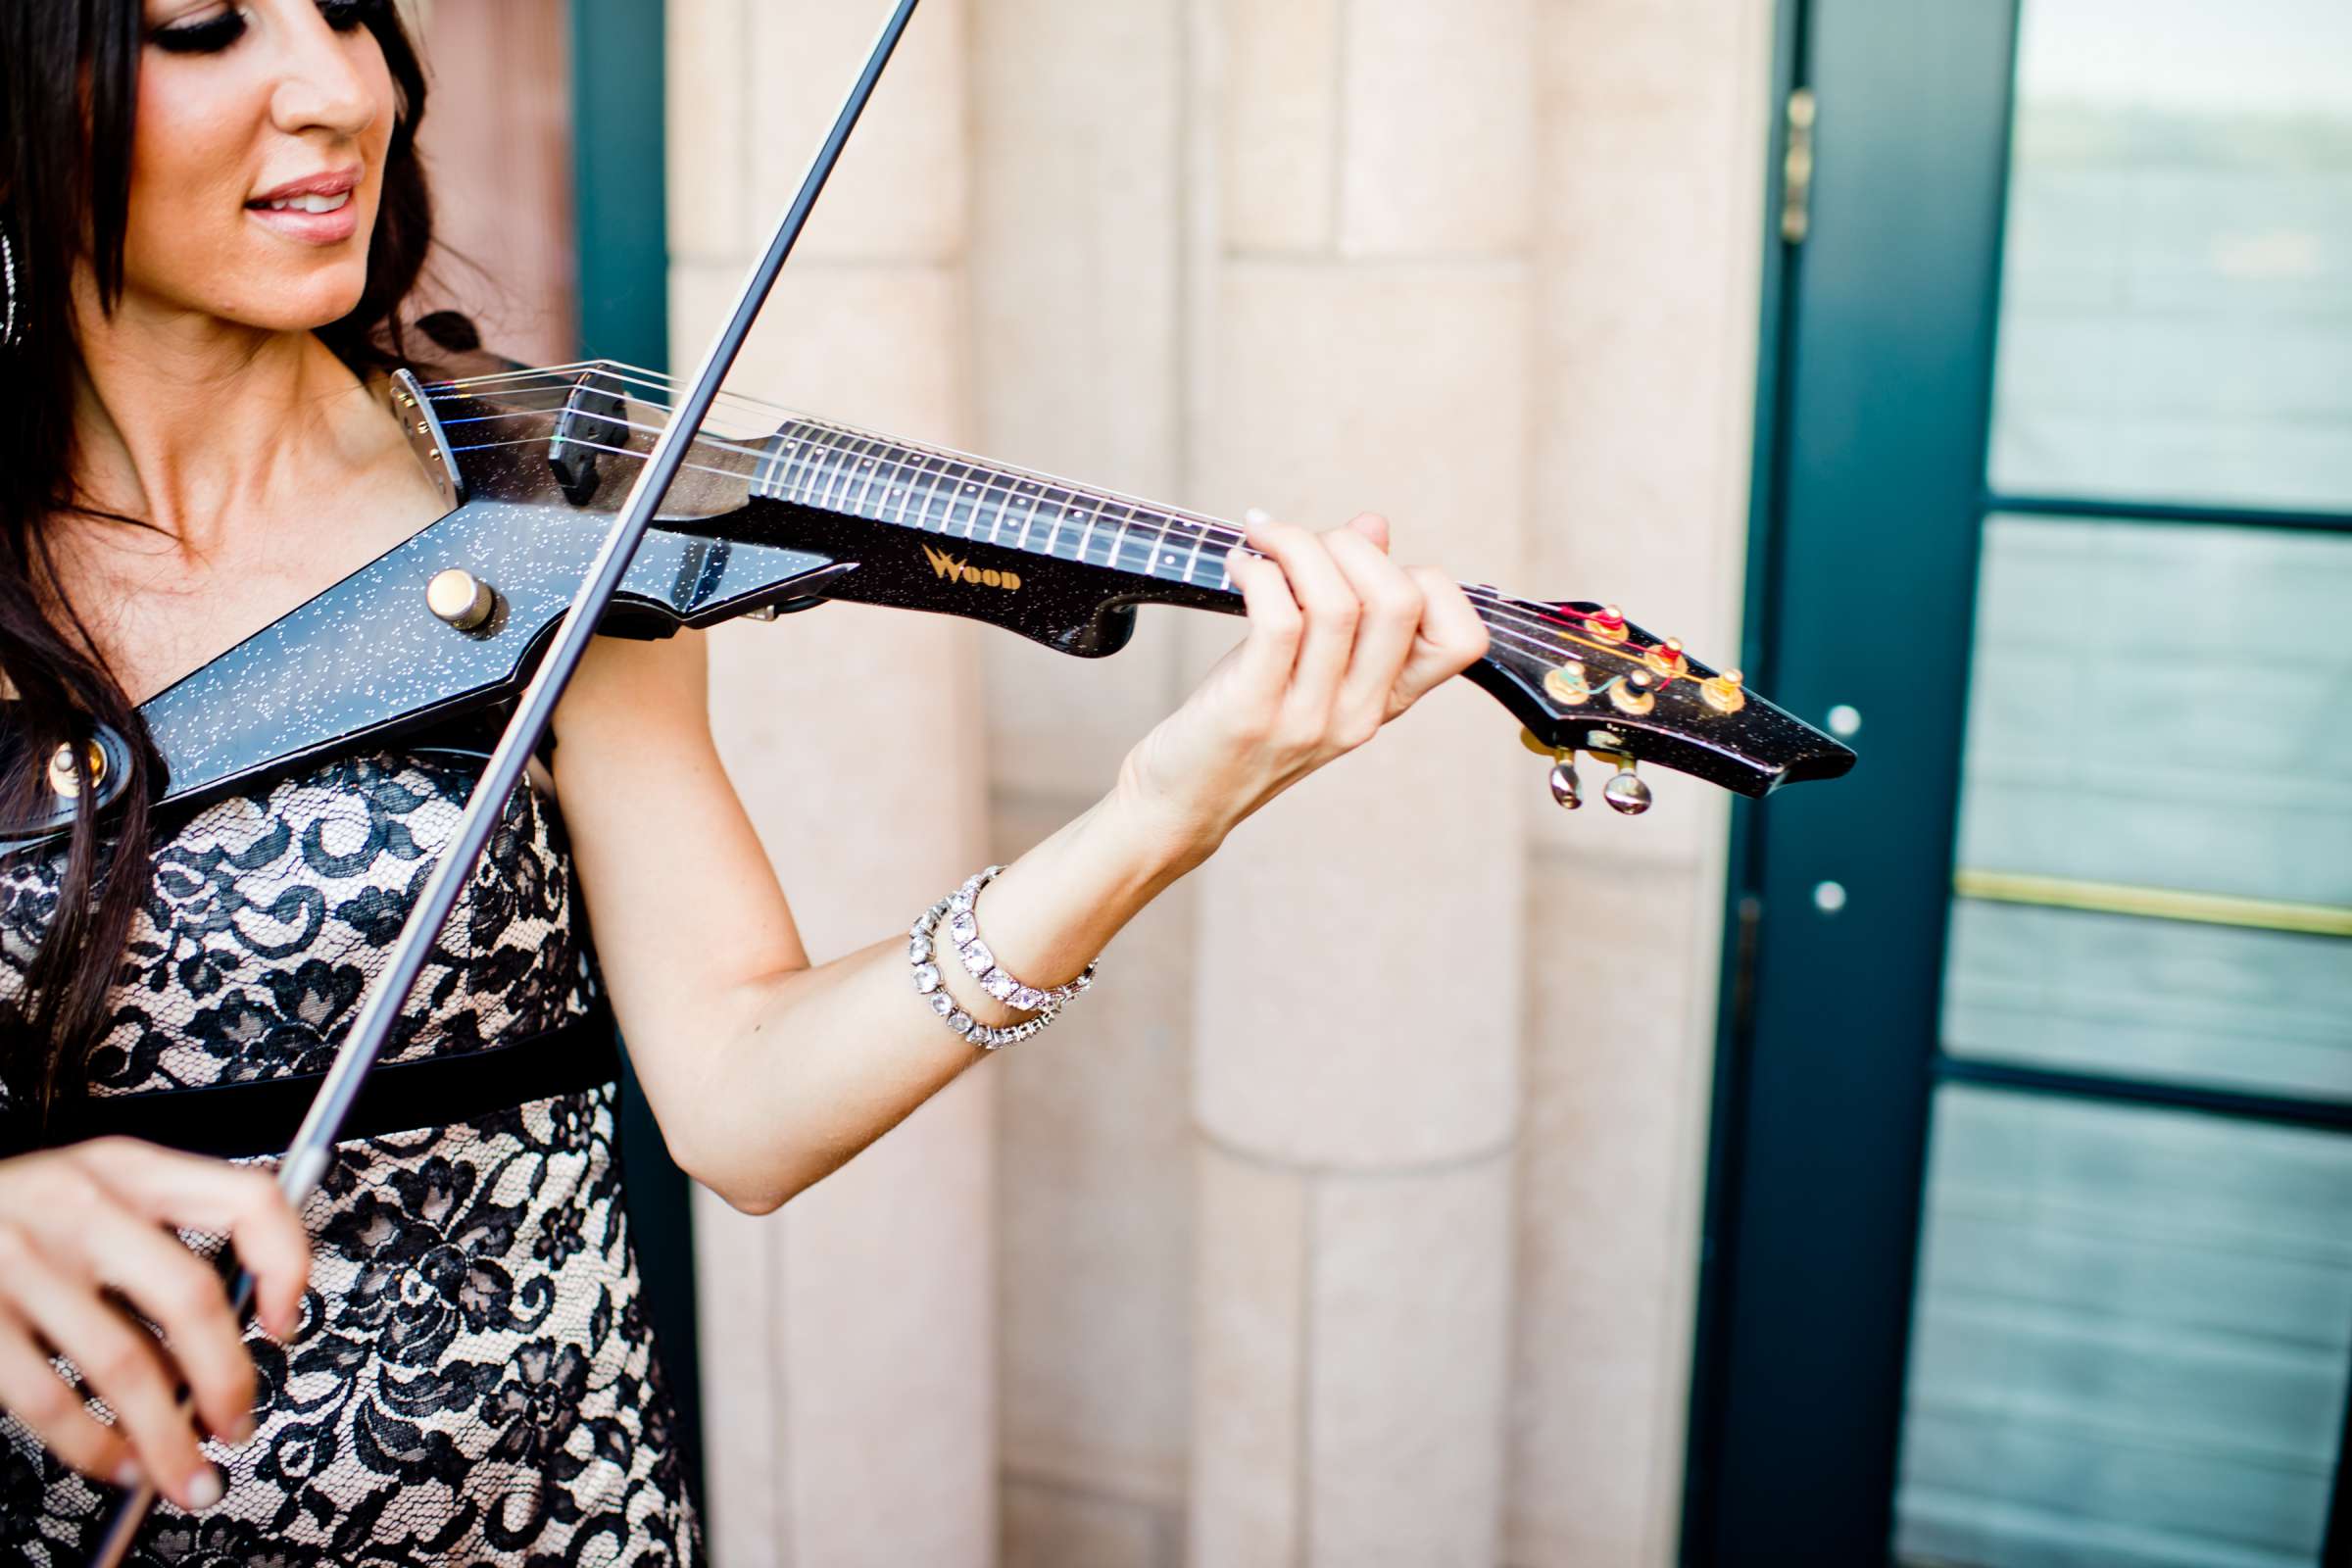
[[474, 1380]]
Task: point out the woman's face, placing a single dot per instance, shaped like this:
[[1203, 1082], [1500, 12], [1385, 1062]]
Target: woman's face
[[257, 160]]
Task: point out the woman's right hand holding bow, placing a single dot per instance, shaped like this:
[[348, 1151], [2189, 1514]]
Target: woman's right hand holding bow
[[87, 1225]]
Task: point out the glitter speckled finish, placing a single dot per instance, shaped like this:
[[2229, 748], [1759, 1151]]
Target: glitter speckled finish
[[368, 655], [533, 466]]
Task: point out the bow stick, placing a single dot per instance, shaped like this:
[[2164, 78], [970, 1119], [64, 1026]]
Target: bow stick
[[304, 1163]]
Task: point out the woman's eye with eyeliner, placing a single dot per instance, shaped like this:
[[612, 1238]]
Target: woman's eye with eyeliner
[[204, 34], [345, 14]]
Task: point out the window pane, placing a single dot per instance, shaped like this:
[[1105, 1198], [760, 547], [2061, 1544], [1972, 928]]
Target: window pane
[[2131, 1338], [2159, 707], [2176, 287]]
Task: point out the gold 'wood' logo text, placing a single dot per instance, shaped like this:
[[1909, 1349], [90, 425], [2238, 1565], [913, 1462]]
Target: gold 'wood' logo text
[[948, 566]]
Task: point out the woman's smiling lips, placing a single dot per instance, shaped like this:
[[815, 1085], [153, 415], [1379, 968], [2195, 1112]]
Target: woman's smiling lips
[[316, 210]]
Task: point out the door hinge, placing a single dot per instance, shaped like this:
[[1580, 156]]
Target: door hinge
[[1797, 168]]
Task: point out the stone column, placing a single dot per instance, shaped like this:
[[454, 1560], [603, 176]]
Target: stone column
[[1367, 304], [849, 1342], [1655, 124]]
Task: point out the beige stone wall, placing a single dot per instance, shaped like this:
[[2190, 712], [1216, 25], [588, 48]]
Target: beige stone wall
[[1352, 1218]]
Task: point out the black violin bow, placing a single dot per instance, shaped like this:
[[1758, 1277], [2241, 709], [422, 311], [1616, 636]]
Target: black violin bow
[[306, 1162]]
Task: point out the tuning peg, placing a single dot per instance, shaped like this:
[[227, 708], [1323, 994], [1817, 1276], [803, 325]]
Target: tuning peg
[[1626, 791], [1634, 694], [1564, 788], [1721, 692], [1568, 684], [1667, 658], [1606, 622]]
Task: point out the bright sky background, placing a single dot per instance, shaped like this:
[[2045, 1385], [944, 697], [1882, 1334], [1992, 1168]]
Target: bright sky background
[[2274, 55]]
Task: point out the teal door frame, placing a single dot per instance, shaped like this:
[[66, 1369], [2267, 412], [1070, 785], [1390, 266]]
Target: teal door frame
[[1875, 398], [618, 205], [619, 183]]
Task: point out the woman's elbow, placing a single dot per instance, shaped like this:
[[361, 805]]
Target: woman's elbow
[[749, 1187], [744, 1190]]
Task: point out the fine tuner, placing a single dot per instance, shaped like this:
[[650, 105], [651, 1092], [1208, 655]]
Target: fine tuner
[[772, 513]]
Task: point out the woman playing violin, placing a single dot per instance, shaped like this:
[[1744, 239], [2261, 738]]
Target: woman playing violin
[[212, 216]]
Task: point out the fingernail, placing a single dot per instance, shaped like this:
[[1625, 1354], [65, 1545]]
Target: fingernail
[[204, 1488], [128, 1476], [244, 1429]]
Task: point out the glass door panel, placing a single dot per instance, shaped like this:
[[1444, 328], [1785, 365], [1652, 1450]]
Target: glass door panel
[[2151, 723], [2131, 1338], [2131, 1321], [2177, 271]]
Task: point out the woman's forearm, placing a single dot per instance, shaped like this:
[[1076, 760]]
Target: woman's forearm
[[814, 1063], [766, 1072]]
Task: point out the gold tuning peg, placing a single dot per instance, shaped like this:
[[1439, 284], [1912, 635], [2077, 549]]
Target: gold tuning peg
[[1568, 684], [1634, 694]]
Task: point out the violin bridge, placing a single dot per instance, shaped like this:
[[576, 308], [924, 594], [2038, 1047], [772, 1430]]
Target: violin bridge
[[594, 421]]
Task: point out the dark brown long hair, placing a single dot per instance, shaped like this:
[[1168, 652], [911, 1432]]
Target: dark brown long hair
[[65, 184]]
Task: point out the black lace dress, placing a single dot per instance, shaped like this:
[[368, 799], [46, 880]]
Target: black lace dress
[[474, 1380]]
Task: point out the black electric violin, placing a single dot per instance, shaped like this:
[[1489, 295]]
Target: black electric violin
[[786, 513]]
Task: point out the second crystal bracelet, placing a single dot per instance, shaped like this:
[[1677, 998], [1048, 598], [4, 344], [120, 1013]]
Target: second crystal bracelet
[[922, 952], [950, 921], [963, 929]]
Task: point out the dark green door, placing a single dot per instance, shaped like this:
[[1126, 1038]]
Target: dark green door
[[2030, 1218]]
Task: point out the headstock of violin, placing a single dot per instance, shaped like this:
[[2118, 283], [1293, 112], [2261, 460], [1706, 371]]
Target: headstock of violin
[[1583, 678]]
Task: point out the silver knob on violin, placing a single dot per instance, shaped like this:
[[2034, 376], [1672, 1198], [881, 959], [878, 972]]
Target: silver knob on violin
[[62, 777], [459, 597], [1564, 788], [1626, 791]]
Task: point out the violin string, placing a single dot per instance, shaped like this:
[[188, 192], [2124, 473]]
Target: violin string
[[1557, 621], [701, 439], [565, 378], [1520, 612], [1209, 527], [1545, 615], [1510, 610], [1513, 636], [1524, 614], [989, 491]]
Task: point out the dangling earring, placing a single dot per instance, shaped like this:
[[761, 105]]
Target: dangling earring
[[7, 289]]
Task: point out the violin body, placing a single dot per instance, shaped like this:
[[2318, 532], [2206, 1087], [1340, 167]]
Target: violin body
[[533, 463]]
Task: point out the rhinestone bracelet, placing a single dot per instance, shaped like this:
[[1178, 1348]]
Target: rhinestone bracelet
[[921, 950], [963, 930]]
